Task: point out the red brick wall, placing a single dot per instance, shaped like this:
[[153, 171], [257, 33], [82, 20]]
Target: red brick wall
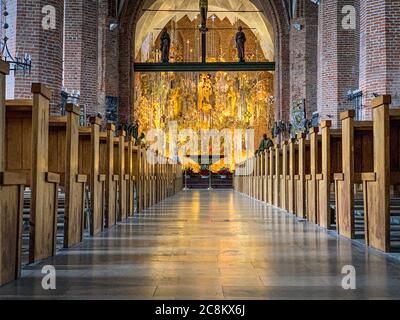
[[379, 50], [45, 46], [338, 60], [303, 55], [81, 70]]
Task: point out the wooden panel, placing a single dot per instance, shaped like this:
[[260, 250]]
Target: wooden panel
[[111, 183], [277, 174], [11, 206], [131, 183], [357, 139], [270, 176], [284, 181], [11, 200], [324, 185], [377, 193], [291, 182], [84, 152], [300, 183], [44, 197], [74, 186], [123, 210], [96, 186], [312, 191]]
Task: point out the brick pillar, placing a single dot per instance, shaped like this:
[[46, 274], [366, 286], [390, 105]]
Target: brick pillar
[[338, 59], [303, 56], [81, 66], [379, 50], [46, 47]]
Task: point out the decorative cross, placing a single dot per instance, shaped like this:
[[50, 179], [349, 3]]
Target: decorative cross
[[203, 29]]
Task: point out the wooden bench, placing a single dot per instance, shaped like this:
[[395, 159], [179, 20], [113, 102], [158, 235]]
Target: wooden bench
[[293, 172], [303, 171], [311, 180], [107, 168], [270, 175], [89, 164], [11, 200], [385, 174], [124, 177], [265, 175], [27, 150], [357, 157], [132, 168], [277, 175], [331, 162], [261, 176], [63, 160], [284, 178]]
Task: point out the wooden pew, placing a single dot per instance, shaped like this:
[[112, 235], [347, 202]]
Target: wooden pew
[[293, 172], [300, 185], [63, 160], [89, 164], [277, 175], [377, 183], [261, 177], [265, 176], [44, 184], [331, 162], [132, 165], [123, 178], [284, 178], [179, 177], [357, 139], [111, 183], [11, 200], [311, 180], [152, 182], [270, 176], [141, 182], [27, 136]]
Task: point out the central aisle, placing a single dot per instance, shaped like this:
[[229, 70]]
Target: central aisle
[[213, 245]]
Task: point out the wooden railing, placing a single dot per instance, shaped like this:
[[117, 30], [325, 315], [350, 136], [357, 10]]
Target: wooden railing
[[101, 179], [346, 179]]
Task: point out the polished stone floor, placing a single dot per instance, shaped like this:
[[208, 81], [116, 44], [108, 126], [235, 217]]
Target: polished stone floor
[[213, 245]]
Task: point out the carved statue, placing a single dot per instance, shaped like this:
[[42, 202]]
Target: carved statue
[[165, 45], [240, 44], [205, 93], [232, 98]]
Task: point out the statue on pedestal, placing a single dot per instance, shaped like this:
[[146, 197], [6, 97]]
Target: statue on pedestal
[[165, 45], [240, 43]]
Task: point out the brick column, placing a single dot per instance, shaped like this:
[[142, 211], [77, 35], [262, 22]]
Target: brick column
[[81, 66], [46, 47], [338, 59], [303, 56], [379, 50]]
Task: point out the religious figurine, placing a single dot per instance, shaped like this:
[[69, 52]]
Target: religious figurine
[[165, 46], [232, 98], [240, 43], [203, 4]]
